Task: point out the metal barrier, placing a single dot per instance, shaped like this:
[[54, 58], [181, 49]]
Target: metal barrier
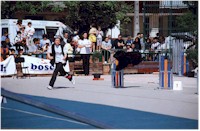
[[165, 73], [180, 64]]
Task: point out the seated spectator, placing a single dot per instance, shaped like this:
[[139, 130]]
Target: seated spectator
[[34, 48], [148, 44], [18, 41], [129, 41], [154, 48], [128, 48], [4, 50], [44, 41], [163, 45], [110, 40], [7, 41], [106, 46], [155, 44], [119, 42], [137, 44], [5, 35]]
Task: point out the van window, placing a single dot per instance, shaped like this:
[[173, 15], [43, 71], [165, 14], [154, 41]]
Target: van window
[[3, 30], [51, 32], [38, 33]]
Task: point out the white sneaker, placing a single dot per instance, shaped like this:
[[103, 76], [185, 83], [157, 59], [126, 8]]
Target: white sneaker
[[49, 87]]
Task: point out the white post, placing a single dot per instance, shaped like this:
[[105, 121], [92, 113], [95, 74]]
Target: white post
[[136, 18]]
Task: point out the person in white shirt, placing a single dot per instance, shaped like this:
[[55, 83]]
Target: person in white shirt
[[65, 39], [155, 44], [85, 49], [44, 41], [99, 38], [57, 55], [18, 42], [29, 30]]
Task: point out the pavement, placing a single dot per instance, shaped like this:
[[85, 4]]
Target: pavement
[[141, 93]]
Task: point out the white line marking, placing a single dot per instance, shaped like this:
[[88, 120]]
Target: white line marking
[[36, 114]]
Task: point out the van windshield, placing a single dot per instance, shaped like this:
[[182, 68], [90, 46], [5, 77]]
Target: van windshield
[[38, 33]]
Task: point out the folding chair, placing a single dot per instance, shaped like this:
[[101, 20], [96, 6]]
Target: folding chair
[[21, 60]]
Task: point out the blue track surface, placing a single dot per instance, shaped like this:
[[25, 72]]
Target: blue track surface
[[16, 115]]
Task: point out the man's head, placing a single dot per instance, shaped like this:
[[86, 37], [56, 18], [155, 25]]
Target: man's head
[[155, 39], [106, 39], [119, 37], [44, 36], [19, 33], [66, 35], [29, 24], [138, 35], [19, 22], [36, 41]]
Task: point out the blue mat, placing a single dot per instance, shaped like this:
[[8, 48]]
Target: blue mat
[[16, 115]]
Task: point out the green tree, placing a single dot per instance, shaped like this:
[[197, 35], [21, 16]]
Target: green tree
[[102, 13], [79, 14], [189, 21]]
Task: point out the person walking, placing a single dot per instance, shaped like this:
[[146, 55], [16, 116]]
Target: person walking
[[57, 56], [85, 44]]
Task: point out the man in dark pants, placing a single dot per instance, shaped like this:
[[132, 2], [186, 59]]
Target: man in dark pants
[[57, 56]]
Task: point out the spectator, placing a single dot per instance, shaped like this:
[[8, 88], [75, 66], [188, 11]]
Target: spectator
[[119, 43], [45, 47], [110, 41], [29, 30], [128, 48], [34, 48], [45, 41], [137, 44], [18, 41], [19, 25], [7, 41], [75, 40], [85, 44], [142, 41], [65, 39], [155, 44], [4, 50], [5, 35], [129, 41], [148, 44], [92, 37], [106, 46], [99, 37], [23, 32], [154, 47], [163, 45]]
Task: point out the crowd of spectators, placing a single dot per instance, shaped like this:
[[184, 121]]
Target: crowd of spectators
[[25, 43]]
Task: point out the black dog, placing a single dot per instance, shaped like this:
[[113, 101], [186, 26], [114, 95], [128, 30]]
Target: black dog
[[125, 58]]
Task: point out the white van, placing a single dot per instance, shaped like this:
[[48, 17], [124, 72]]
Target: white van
[[51, 28]]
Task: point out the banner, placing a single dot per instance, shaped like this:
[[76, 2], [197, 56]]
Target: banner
[[8, 66], [35, 65], [38, 65]]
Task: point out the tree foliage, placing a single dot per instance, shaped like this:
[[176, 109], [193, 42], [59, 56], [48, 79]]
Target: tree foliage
[[79, 14], [189, 21], [102, 13]]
